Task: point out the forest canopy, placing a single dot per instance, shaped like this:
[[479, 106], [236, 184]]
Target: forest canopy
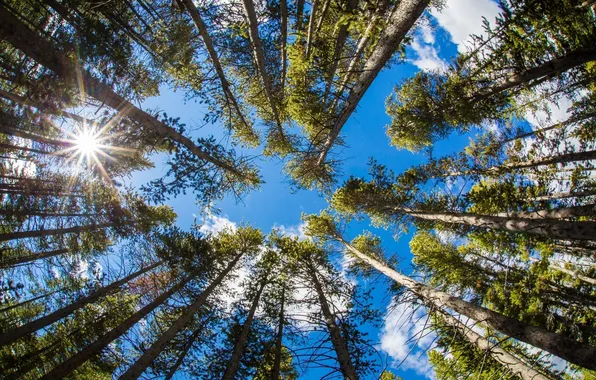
[[485, 185]]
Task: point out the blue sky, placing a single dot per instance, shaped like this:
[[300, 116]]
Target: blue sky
[[274, 204]]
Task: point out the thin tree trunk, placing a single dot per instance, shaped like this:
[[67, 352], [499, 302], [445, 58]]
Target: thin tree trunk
[[552, 67], [253, 32], [183, 354], [275, 371], [283, 9], [311, 27], [25, 149], [556, 229], [137, 369], [21, 304], [44, 214], [559, 345], [558, 213], [562, 195], [571, 120], [508, 360], [202, 28], [51, 232], [93, 349], [33, 326], [401, 21], [342, 36], [339, 344], [299, 15], [21, 37], [574, 274], [507, 167], [234, 363], [31, 136], [29, 258]]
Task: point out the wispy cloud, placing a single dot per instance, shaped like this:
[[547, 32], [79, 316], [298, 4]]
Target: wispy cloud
[[427, 55]]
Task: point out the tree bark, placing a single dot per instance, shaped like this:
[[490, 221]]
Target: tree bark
[[283, 9], [156, 348], [275, 371], [339, 344], [75, 361], [401, 21], [509, 361], [202, 28], [52, 232], [34, 137], [563, 195], [183, 354], [253, 32], [299, 15], [559, 345], [29, 258], [574, 274], [556, 229], [558, 213], [552, 67], [234, 363], [30, 43], [33, 326], [311, 27]]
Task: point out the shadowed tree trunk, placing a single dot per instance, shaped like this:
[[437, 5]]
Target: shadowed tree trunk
[[339, 344], [29, 258], [156, 348], [93, 349], [13, 335], [275, 371], [234, 363]]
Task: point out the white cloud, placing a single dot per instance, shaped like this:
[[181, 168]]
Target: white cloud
[[427, 55], [295, 231], [403, 326], [213, 224], [460, 18]]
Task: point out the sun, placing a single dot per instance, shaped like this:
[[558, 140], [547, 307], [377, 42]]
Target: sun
[[87, 142]]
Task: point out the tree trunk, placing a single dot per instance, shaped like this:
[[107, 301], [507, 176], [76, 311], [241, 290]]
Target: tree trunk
[[401, 21], [234, 362], [183, 354], [574, 274], [40, 139], [156, 348], [21, 304], [30, 43], [342, 36], [558, 213], [556, 229], [311, 27], [13, 335], [508, 360], [275, 371], [202, 28], [552, 67], [283, 9], [52, 232], [93, 349], [253, 31], [565, 123], [559, 345], [339, 344], [29, 258], [299, 15], [562, 195]]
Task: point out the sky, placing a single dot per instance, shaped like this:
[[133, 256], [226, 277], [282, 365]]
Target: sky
[[275, 205]]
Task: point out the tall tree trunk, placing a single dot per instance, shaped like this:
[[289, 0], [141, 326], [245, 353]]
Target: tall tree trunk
[[552, 67], [558, 213], [508, 360], [234, 363], [30, 258], [156, 348], [253, 32], [13, 335], [34, 137], [93, 349], [566, 348], [562, 195], [573, 274], [561, 124], [183, 354], [30, 300], [311, 27], [21, 37], [283, 9], [202, 28], [51, 232], [556, 229], [401, 21], [23, 101], [299, 15], [275, 371], [339, 344], [342, 36]]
